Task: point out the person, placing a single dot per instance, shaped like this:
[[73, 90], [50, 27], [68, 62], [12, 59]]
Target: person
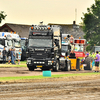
[[9, 56], [4, 52], [93, 55], [12, 56], [19, 56], [72, 46], [87, 54], [72, 54], [97, 62]]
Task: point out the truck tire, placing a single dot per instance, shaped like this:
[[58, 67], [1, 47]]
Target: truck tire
[[31, 68], [88, 61], [68, 66], [78, 64], [57, 66]]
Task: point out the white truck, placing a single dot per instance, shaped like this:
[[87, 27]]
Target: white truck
[[9, 40]]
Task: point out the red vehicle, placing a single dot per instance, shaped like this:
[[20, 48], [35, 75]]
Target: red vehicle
[[79, 47], [80, 50]]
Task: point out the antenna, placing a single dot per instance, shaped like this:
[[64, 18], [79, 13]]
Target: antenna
[[75, 14], [41, 23]]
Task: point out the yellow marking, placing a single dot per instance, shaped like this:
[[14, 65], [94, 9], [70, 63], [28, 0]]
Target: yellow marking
[[39, 66]]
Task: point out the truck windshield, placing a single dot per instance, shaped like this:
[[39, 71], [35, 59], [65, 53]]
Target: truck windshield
[[40, 42], [64, 48], [9, 42], [17, 44], [22, 42], [79, 48]]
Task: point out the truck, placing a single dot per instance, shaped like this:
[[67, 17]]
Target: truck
[[44, 47], [23, 48], [65, 63], [16, 43], [96, 48], [9, 40]]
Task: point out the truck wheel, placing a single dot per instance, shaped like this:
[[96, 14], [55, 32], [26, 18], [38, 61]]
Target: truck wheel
[[67, 66], [57, 66], [31, 68], [88, 61]]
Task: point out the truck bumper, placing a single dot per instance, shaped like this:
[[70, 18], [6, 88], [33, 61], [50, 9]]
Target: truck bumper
[[40, 63]]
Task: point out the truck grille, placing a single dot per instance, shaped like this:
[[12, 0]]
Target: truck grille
[[39, 55]]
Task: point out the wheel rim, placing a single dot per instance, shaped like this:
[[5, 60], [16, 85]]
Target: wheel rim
[[68, 67], [57, 66]]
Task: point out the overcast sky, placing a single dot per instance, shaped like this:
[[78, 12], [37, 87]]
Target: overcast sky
[[48, 11]]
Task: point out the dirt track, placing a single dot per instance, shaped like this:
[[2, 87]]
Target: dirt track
[[67, 88], [54, 89], [23, 71]]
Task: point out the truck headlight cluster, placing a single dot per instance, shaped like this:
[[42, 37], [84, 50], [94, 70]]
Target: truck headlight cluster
[[39, 62], [31, 50], [28, 61], [49, 62]]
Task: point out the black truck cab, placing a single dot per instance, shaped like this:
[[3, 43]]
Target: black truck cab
[[44, 47]]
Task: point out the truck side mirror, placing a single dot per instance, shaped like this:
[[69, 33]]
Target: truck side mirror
[[57, 42], [26, 42]]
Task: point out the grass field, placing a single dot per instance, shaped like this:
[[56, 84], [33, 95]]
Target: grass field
[[41, 77], [22, 64]]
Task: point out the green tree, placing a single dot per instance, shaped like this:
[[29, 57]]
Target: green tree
[[2, 16], [91, 24]]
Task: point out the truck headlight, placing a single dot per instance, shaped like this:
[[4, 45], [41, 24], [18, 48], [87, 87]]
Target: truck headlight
[[28, 61], [49, 62]]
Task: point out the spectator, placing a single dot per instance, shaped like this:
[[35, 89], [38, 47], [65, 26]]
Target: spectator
[[72, 54], [93, 55], [97, 59], [4, 52], [19, 56], [9, 56], [87, 54], [12, 56]]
